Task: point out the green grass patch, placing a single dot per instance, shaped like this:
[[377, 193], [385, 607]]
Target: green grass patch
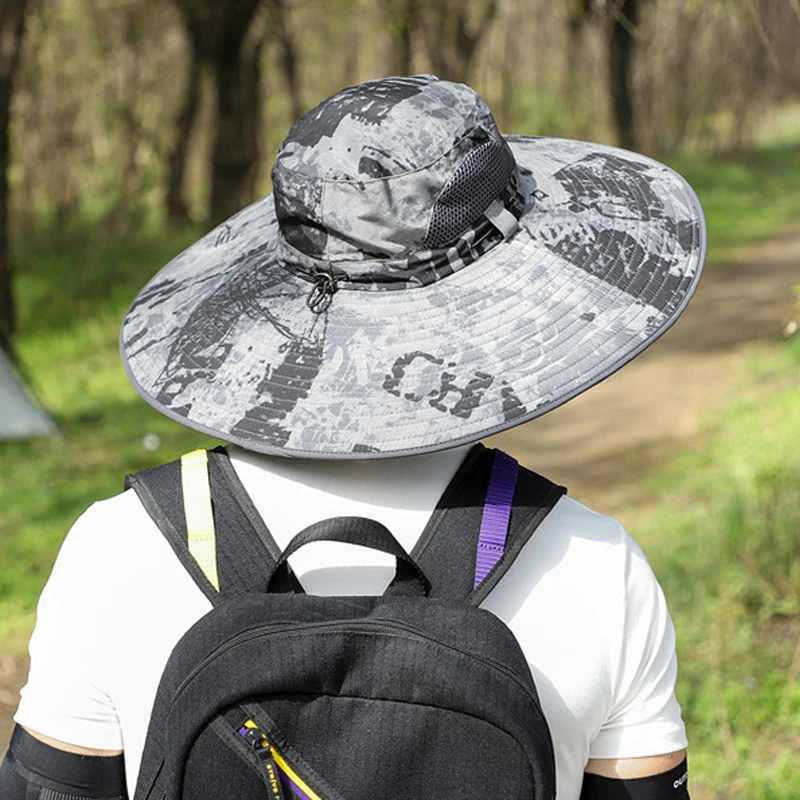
[[72, 299], [724, 539], [61, 283], [746, 198]]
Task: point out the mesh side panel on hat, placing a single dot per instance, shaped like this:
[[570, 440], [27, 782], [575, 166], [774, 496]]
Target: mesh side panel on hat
[[476, 182]]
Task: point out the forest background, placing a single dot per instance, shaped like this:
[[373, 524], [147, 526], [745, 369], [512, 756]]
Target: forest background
[[129, 127]]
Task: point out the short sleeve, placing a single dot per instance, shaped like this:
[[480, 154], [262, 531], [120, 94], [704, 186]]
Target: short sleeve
[[645, 717], [62, 697]]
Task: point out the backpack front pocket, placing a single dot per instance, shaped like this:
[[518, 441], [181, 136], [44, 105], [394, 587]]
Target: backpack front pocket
[[277, 773]]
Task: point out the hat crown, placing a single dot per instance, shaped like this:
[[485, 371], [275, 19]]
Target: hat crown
[[387, 169], [383, 128]]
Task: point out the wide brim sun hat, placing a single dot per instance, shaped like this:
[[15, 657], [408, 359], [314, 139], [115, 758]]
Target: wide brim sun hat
[[415, 281]]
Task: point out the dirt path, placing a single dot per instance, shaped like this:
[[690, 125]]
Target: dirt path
[[598, 443], [12, 675]]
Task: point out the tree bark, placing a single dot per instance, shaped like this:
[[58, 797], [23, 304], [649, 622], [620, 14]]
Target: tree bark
[[621, 47], [578, 14], [175, 200], [218, 32], [404, 19], [287, 52], [451, 40], [234, 161], [12, 28]]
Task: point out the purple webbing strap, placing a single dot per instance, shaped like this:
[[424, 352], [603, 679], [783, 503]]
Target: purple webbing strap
[[496, 514]]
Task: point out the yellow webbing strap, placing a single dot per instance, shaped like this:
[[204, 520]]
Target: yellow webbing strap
[[202, 537]]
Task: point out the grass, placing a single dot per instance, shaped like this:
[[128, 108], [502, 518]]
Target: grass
[[70, 352], [723, 539], [721, 531], [745, 198]]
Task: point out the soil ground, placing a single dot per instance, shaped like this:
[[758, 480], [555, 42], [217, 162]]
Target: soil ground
[[599, 443]]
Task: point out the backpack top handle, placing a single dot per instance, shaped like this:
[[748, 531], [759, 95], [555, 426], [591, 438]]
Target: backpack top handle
[[409, 579]]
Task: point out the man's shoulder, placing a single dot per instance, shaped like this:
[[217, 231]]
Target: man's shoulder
[[600, 545], [577, 557], [114, 529], [588, 545], [572, 523], [125, 508]]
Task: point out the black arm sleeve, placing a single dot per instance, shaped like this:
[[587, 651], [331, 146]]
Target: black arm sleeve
[[31, 767], [672, 785]]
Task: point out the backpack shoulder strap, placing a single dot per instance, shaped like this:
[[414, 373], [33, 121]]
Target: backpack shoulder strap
[[209, 520], [488, 512]]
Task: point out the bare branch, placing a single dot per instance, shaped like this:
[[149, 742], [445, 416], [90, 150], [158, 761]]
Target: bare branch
[[771, 54], [762, 34], [618, 15]]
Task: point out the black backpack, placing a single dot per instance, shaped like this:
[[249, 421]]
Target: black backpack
[[417, 694]]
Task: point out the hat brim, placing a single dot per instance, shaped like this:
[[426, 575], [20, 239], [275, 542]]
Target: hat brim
[[608, 254]]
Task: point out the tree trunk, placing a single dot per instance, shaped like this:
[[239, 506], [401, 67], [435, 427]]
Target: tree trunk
[[404, 19], [578, 15], [234, 160], [12, 27], [278, 12], [451, 39], [621, 46], [219, 32], [175, 200]]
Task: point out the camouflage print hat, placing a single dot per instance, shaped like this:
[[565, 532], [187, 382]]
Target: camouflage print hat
[[416, 281]]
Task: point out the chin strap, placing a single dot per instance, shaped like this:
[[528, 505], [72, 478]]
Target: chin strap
[[33, 770]]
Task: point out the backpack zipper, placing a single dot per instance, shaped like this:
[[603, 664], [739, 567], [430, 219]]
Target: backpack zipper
[[275, 768], [292, 628]]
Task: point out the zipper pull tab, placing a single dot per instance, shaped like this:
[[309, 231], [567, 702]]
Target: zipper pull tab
[[263, 750]]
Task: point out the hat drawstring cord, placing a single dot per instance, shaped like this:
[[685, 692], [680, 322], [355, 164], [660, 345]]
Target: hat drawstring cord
[[321, 294]]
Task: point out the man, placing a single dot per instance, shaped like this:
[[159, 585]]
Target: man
[[415, 283]]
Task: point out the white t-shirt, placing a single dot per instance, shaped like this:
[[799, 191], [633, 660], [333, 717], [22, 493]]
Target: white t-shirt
[[580, 598]]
